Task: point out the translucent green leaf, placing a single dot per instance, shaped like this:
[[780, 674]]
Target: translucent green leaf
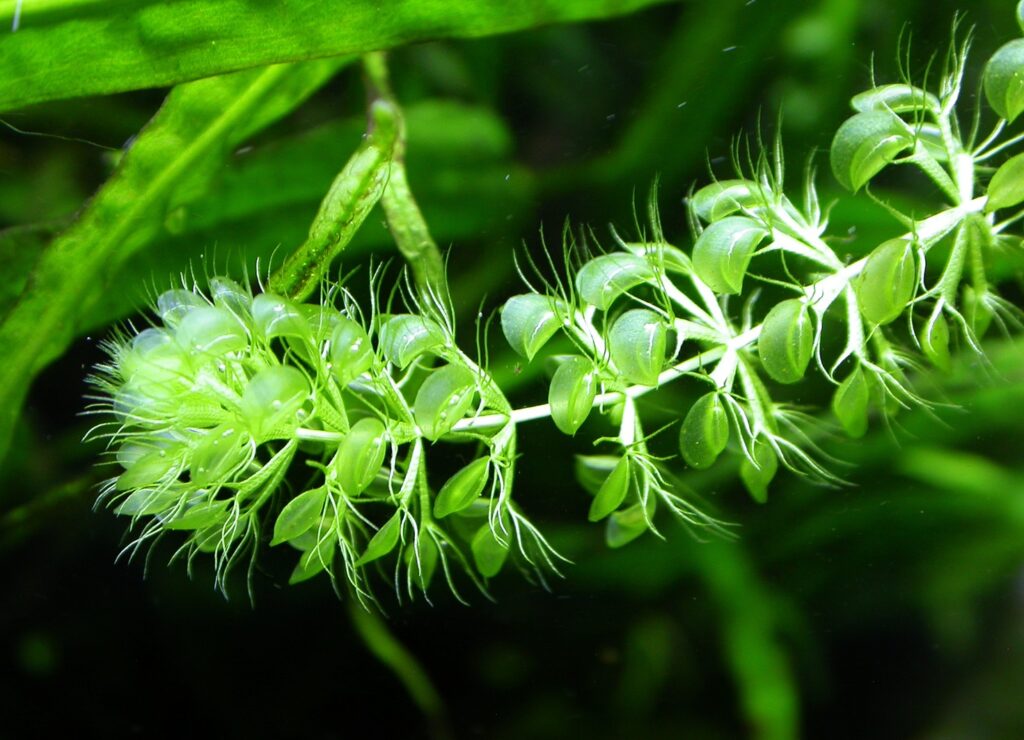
[[850, 403], [612, 492], [865, 144], [1006, 188], [405, 337], [229, 295], [723, 251], [148, 469], [756, 478], [725, 197], [592, 470], [421, 559], [488, 553], [899, 98], [637, 343], [220, 452], [351, 351], [462, 489], [443, 399], [383, 540], [212, 331], [360, 455], [529, 321], [625, 526], [204, 514], [1004, 80], [70, 49], [272, 399], [603, 279], [147, 501], [977, 312], [786, 342], [318, 557], [935, 341], [572, 392], [274, 316], [886, 284], [299, 515], [704, 432], [173, 305]]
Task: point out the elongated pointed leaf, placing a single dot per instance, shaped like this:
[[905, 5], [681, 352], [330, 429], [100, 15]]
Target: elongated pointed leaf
[[612, 492], [850, 404], [1006, 188], [758, 474], [68, 48], [462, 489], [383, 541]]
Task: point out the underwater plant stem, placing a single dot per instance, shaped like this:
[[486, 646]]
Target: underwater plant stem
[[388, 650], [352, 195], [408, 227]]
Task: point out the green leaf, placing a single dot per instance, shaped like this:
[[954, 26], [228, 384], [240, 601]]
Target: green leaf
[[219, 454], [723, 198], [274, 316], [865, 144], [70, 48], [592, 470], [612, 492], [886, 284], [360, 455], [462, 489], [935, 341], [421, 559], [603, 279], [351, 351], [637, 343], [786, 342], [625, 526], [756, 478], [316, 559], [299, 515], [405, 337], [147, 501], [1004, 80], [529, 321], [723, 251], [488, 553], [175, 156], [1006, 188], [704, 432], [850, 403], [572, 392], [200, 516], [213, 331], [443, 399], [977, 311], [383, 540], [272, 399], [899, 98]]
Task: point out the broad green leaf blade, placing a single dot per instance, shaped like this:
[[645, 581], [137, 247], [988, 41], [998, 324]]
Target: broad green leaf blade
[[68, 48], [405, 337], [299, 515], [758, 473], [360, 455], [383, 541], [489, 554], [612, 492], [186, 141], [462, 489], [865, 144], [724, 198]]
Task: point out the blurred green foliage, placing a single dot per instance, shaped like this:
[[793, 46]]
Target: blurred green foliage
[[889, 609]]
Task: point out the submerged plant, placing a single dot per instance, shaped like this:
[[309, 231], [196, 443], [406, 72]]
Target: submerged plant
[[238, 419]]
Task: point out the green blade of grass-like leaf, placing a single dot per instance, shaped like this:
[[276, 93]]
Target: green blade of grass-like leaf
[[68, 48]]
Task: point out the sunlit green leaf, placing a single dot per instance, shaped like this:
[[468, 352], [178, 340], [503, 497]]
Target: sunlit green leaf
[[1004, 80], [865, 144], [723, 251], [603, 279], [360, 455], [637, 343], [443, 399], [529, 321], [299, 515]]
